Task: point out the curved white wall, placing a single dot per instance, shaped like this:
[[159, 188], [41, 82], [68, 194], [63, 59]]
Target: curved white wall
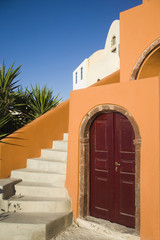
[[113, 32], [101, 63]]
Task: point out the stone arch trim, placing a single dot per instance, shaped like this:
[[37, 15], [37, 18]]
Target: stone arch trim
[[85, 158], [142, 58]]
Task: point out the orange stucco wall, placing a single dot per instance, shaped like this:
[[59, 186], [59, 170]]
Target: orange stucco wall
[[139, 27], [28, 141], [143, 104]]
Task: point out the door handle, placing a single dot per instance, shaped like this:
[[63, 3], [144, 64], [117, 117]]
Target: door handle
[[117, 164]]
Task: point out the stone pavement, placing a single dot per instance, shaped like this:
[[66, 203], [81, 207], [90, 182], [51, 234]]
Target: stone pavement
[[78, 233], [97, 229]]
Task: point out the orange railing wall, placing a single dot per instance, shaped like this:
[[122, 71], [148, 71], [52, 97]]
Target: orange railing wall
[[28, 141]]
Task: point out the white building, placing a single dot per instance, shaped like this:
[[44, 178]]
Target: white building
[[101, 63]]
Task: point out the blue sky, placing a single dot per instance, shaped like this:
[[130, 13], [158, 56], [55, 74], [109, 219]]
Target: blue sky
[[50, 38]]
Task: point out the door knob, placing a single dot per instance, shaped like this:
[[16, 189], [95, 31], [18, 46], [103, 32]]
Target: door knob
[[117, 164]]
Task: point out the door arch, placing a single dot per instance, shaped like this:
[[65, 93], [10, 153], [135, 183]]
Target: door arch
[[85, 159]]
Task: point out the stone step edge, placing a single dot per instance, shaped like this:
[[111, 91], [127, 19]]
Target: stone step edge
[[54, 150], [47, 160], [28, 198], [62, 144], [37, 184], [51, 227], [35, 171], [60, 141], [10, 217], [22, 189], [14, 205]]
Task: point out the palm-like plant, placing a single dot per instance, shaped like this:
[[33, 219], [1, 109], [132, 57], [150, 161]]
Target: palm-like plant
[[41, 100], [18, 107], [4, 119], [10, 96], [8, 85]]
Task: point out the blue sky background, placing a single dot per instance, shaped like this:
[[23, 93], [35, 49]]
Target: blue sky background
[[50, 38]]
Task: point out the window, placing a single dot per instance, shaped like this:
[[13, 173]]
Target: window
[[81, 73], [76, 78], [113, 41], [114, 50]]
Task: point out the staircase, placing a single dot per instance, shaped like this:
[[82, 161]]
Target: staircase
[[41, 207]]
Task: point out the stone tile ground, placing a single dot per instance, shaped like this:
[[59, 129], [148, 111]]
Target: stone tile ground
[[97, 229], [78, 233]]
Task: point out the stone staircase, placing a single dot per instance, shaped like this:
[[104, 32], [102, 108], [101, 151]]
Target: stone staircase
[[40, 207]]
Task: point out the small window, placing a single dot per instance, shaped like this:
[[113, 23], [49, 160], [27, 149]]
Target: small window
[[81, 73], [76, 78], [114, 50], [113, 41]]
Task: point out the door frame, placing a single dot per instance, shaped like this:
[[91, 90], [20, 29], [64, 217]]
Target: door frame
[[84, 168]]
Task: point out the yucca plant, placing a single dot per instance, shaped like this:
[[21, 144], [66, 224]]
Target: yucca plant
[[41, 100], [11, 99], [8, 85], [18, 107], [4, 119]]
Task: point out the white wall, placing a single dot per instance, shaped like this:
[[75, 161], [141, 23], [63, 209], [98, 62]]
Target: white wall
[[113, 32], [80, 83], [102, 63], [104, 67]]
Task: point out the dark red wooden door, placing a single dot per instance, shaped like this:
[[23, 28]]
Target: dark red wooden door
[[112, 176]]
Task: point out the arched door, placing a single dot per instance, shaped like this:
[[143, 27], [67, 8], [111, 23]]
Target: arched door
[[112, 169]]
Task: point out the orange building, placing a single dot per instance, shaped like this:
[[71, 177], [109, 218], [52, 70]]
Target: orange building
[[118, 117]]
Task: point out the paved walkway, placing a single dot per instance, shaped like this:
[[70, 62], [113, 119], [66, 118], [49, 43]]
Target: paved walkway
[[78, 233], [97, 229]]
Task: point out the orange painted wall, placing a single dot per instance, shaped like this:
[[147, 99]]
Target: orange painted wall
[[28, 141], [139, 27], [143, 103]]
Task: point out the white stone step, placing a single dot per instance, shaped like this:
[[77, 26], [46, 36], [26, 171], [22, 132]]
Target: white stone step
[[54, 154], [32, 175], [40, 190], [41, 207], [65, 136], [33, 226], [61, 145], [47, 165], [38, 204]]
